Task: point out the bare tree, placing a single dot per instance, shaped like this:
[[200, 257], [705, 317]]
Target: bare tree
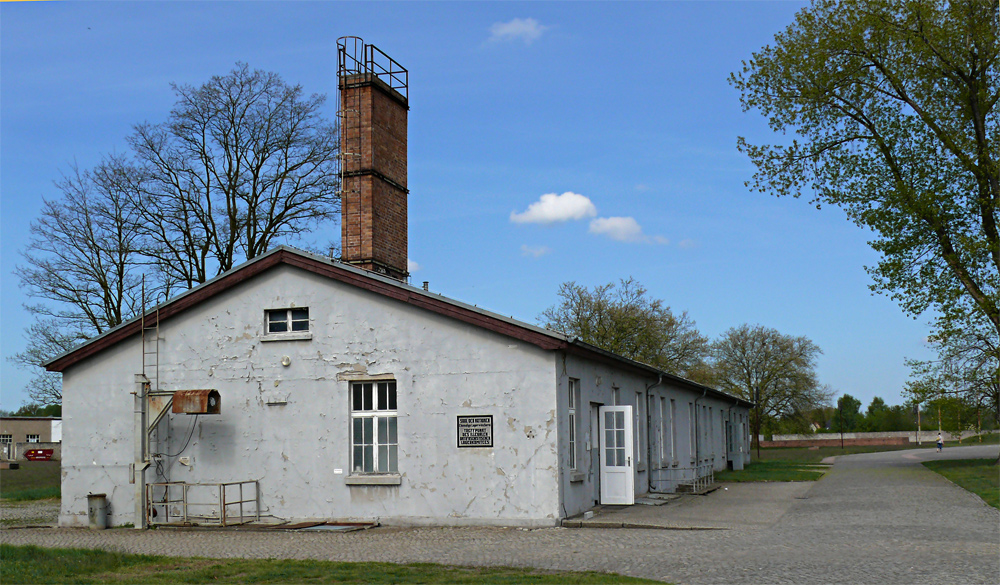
[[774, 371], [243, 159], [624, 320], [84, 265]]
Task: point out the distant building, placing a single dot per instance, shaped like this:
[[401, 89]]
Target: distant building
[[18, 433]]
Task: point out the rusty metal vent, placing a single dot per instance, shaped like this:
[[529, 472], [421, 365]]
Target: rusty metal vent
[[197, 402]]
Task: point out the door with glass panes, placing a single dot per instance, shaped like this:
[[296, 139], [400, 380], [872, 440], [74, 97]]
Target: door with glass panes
[[617, 477]]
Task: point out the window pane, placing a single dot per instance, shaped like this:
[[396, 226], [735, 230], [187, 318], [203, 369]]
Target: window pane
[[383, 431], [619, 420], [619, 438], [609, 420], [279, 327], [610, 457], [392, 396], [393, 458], [621, 457], [300, 325], [383, 398], [383, 459], [300, 314], [368, 431], [392, 430], [369, 460], [359, 459], [368, 396], [356, 389], [358, 434], [609, 438]]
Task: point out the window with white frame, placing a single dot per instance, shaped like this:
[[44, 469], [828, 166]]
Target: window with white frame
[[33, 438], [6, 439], [287, 320], [374, 438], [692, 427], [638, 428], [573, 398], [711, 430], [663, 429], [673, 430]]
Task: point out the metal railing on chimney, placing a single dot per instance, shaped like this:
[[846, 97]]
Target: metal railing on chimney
[[355, 57]]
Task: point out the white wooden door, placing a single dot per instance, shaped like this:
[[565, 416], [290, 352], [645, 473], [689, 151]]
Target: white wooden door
[[617, 477]]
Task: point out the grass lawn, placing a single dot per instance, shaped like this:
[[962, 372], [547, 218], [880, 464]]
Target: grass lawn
[[979, 476], [31, 564], [35, 480], [774, 470]]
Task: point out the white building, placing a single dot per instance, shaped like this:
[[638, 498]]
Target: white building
[[346, 394]]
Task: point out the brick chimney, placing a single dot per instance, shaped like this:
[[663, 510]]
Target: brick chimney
[[373, 108]]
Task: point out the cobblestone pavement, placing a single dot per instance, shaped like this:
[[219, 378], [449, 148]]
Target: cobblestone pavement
[[875, 518], [32, 513]]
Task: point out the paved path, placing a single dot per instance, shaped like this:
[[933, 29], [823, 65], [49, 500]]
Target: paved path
[[875, 518]]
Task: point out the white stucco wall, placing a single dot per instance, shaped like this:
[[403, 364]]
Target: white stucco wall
[[443, 368]]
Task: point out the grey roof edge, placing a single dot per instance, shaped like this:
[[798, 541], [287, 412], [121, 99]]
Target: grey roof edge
[[661, 373], [413, 290]]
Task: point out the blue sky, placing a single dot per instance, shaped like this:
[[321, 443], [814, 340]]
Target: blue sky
[[624, 106]]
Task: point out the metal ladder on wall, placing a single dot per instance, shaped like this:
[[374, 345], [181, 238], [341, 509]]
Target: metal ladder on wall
[[150, 326]]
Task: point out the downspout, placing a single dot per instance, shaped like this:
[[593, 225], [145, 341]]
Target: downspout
[[697, 433], [649, 450]]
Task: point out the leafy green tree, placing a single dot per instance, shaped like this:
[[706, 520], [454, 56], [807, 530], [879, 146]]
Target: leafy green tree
[[876, 416], [623, 319], [35, 409], [893, 105], [849, 417], [776, 372], [967, 367]]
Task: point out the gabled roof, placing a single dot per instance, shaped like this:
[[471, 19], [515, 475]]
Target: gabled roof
[[378, 284]]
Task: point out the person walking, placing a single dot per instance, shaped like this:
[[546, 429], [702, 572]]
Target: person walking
[[940, 442]]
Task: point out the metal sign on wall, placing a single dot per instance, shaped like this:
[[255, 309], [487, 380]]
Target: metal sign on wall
[[475, 431]]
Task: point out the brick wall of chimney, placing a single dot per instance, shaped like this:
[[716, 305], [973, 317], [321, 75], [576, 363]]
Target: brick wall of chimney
[[374, 193]]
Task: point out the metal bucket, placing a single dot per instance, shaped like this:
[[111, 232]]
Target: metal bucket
[[97, 511]]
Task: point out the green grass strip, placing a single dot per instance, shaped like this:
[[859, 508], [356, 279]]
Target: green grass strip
[[979, 476], [774, 470], [32, 564], [32, 494]]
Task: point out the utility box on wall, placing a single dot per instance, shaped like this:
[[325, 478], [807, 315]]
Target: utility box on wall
[[197, 402]]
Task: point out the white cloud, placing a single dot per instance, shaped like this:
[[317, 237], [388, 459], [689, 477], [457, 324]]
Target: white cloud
[[528, 30], [661, 240], [534, 251], [411, 266], [552, 208], [623, 229], [687, 243]]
